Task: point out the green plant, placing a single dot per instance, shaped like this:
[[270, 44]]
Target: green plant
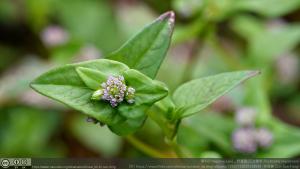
[[83, 86]]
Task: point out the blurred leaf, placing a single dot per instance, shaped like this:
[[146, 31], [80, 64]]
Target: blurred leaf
[[189, 138], [208, 127], [269, 8], [147, 49], [286, 141], [130, 26], [65, 53], [8, 11], [197, 94], [7, 56], [26, 131], [256, 96], [210, 154], [217, 10], [16, 79], [267, 43], [247, 26], [38, 12], [97, 138], [188, 8], [189, 31], [90, 21]]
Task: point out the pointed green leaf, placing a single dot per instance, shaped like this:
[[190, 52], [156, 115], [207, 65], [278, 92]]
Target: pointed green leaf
[[92, 78], [148, 91], [65, 85], [147, 49], [196, 95], [74, 85]]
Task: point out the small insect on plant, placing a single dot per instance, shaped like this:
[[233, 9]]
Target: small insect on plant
[[120, 90]]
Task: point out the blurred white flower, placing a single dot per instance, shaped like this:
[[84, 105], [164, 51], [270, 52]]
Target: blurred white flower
[[88, 52], [264, 137], [287, 66], [243, 140], [275, 24], [245, 116], [54, 36]]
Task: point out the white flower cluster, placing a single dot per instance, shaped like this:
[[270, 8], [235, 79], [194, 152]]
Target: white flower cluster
[[115, 91], [247, 138]]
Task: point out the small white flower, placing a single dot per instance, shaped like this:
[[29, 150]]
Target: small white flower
[[243, 140], [130, 95], [115, 91], [54, 36], [245, 116], [264, 137]]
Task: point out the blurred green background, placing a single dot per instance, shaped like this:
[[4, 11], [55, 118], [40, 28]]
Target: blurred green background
[[210, 37]]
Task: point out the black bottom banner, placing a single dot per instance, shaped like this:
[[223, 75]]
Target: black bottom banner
[[195, 163]]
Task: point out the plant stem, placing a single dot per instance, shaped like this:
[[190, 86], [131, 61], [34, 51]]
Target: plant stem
[[145, 148], [178, 150]]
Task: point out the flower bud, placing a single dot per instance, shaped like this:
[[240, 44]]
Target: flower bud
[[130, 95], [97, 95]]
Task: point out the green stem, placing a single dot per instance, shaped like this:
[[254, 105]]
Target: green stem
[[145, 148], [179, 151]]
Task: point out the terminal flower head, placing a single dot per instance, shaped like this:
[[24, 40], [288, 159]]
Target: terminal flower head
[[115, 91]]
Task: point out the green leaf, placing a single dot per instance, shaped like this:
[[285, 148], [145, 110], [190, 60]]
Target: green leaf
[[147, 49], [97, 22], [92, 78], [266, 43], [31, 130], [74, 85], [196, 95], [147, 90], [128, 126], [188, 8], [273, 43], [65, 85]]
